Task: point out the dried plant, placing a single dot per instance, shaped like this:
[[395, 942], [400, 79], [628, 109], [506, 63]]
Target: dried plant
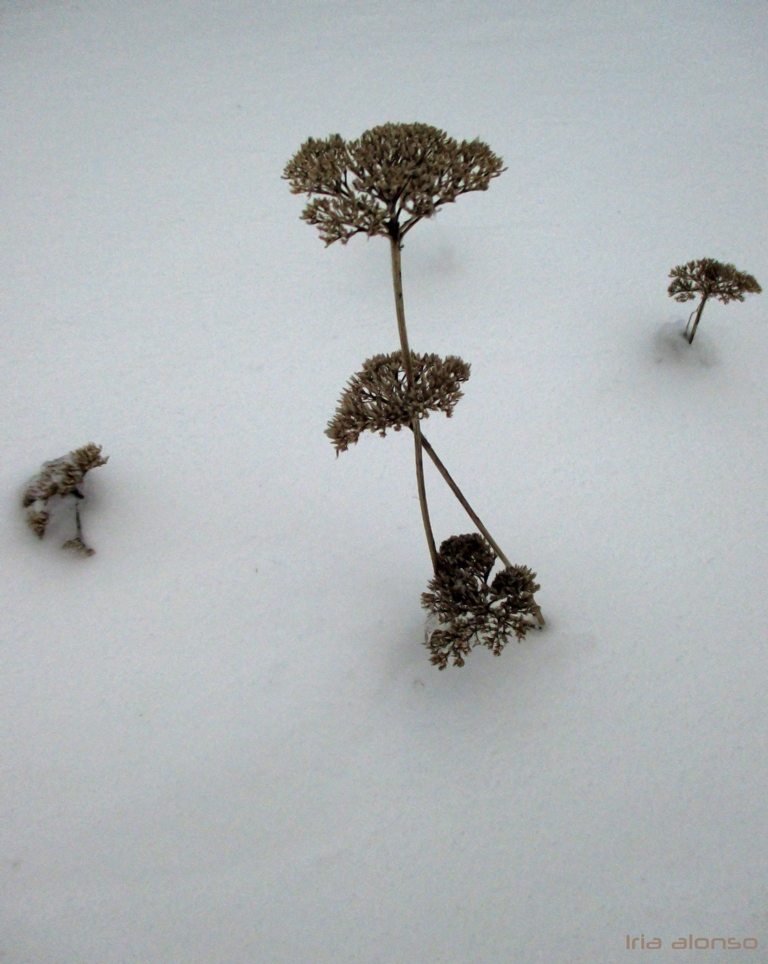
[[382, 184], [469, 610], [709, 279], [61, 477], [378, 397]]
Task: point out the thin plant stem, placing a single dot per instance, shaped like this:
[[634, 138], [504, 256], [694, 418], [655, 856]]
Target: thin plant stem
[[697, 319], [397, 282], [469, 510]]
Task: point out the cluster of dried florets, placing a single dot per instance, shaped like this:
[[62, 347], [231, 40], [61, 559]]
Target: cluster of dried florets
[[471, 612], [61, 477], [713, 279], [709, 278], [379, 397], [388, 179]]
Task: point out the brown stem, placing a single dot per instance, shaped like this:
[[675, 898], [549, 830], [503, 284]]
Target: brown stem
[[697, 319], [469, 510], [397, 282], [460, 496]]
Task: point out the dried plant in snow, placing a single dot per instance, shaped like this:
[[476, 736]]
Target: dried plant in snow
[[379, 397], [471, 611], [77, 545], [61, 477], [382, 184], [709, 279]]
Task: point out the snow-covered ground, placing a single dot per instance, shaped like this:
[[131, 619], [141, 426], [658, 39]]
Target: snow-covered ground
[[222, 740]]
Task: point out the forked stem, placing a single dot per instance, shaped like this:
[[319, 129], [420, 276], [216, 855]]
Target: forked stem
[[397, 282]]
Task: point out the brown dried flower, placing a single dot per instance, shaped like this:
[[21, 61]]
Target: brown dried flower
[[468, 610], [379, 398], [387, 180]]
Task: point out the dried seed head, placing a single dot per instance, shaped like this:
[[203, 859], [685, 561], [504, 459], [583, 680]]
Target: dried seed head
[[378, 397], [387, 180]]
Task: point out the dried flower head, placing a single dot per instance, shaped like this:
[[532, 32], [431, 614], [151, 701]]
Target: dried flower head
[[379, 397], [469, 611], [60, 477], [711, 279], [387, 180]]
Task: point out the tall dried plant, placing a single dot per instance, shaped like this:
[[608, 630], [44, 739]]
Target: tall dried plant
[[709, 279], [383, 184]]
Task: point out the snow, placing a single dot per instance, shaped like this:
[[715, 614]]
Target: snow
[[222, 740]]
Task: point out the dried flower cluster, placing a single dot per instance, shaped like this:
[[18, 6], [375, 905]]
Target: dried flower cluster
[[387, 180], [382, 184], [379, 398], [77, 546], [470, 611], [713, 279], [61, 477], [709, 279]]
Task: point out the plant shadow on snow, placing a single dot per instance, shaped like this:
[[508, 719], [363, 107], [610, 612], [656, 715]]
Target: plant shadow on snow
[[670, 345]]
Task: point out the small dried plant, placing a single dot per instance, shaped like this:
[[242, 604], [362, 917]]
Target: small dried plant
[[383, 184], [379, 397], [62, 477], [709, 279]]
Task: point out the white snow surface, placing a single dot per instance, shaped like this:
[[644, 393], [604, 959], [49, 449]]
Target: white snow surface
[[222, 741]]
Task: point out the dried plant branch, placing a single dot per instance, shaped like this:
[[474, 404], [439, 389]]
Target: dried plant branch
[[61, 477], [472, 514], [471, 612], [709, 279]]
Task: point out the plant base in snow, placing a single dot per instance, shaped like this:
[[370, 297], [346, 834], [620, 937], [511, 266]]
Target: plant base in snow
[[710, 279], [61, 477], [466, 611], [379, 397]]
